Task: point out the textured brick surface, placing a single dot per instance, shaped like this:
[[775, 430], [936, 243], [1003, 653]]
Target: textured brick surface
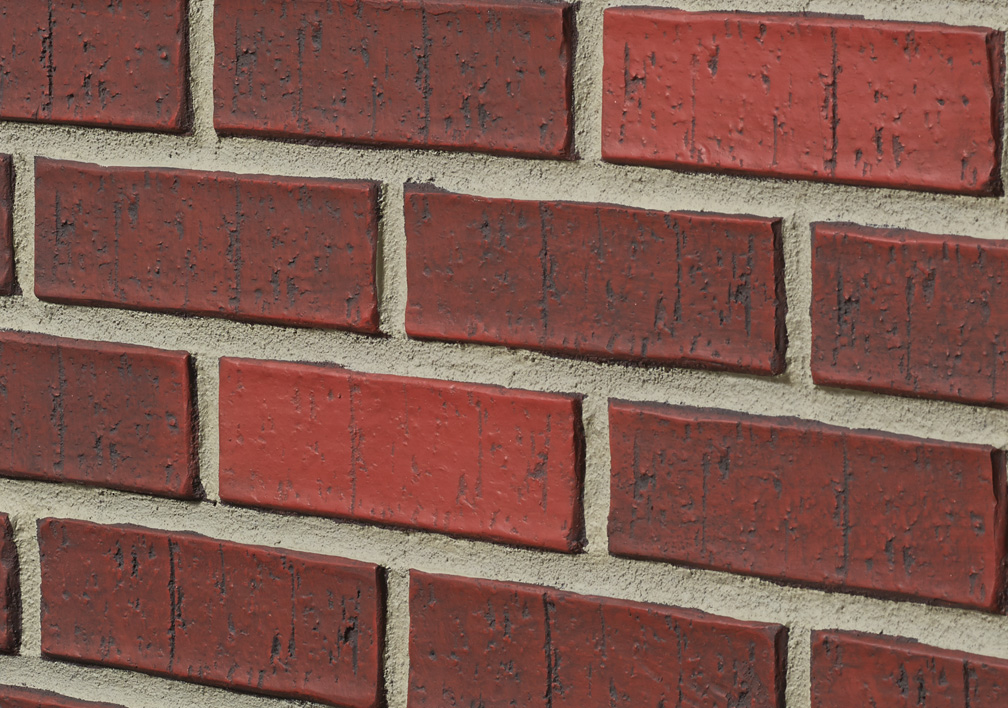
[[97, 413], [852, 669], [189, 607], [95, 62], [596, 280], [864, 102], [10, 590], [491, 463], [802, 502], [17, 697], [270, 249], [488, 76], [485, 643], [6, 225], [910, 313]]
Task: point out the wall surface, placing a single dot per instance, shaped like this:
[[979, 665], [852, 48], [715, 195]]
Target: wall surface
[[503, 353]]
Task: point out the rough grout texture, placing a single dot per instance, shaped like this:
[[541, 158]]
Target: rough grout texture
[[595, 572]]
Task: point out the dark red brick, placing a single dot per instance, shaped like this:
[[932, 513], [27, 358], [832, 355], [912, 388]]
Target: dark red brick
[[10, 590], [596, 280], [272, 249], [486, 75], [853, 669], [6, 225], [176, 604], [97, 413], [910, 314], [889, 104], [485, 643], [95, 62], [17, 697], [490, 463], [801, 502]]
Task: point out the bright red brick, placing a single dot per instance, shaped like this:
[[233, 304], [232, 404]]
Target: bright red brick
[[97, 413], [485, 75], [801, 502], [176, 604], [480, 642], [95, 62], [853, 669], [910, 313], [272, 249], [889, 104], [10, 590], [6, 225], [596, 280], [17, 697], [480, 461]]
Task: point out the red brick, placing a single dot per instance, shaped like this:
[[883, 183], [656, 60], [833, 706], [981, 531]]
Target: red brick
[[272, 249], [10, 590], [480, 642], [6, 225], [596, 280], [97, 413], [490, 463], [486, 75], [910, 314], [176, 604], [805, 503], [853, 669], [17, 697], [889, 104], [95, 62]]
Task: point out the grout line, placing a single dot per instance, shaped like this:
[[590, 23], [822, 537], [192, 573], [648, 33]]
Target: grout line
[[397, 638], [595, 415], [798, 686], [208, 396], [201, 68], [24, 224]]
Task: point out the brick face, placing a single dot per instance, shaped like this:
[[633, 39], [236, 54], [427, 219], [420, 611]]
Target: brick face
[[481, 642], [10, 590], [479, 461], [887, 104], [802, 502], [94, 62], [910, 313], [6, 225], [596, 280], [487, 76], [97, 413], [17, 697], [849, 668], [175, 604], [272, 249]]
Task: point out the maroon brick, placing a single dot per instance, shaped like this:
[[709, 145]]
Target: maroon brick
[[910, 314], [176, 604], [890, 104], [95, 62], [10, 590], [97, 413], [486, 75], [853, 669], [6, 225], [480, 642], [596, 280], [480, 461], [800, 502], [17, 697], [272, 249]]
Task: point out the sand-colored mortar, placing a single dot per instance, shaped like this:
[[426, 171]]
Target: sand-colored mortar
[[587, 179]]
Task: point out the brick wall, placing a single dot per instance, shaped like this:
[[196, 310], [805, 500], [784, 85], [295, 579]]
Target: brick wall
[[490, 353]]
